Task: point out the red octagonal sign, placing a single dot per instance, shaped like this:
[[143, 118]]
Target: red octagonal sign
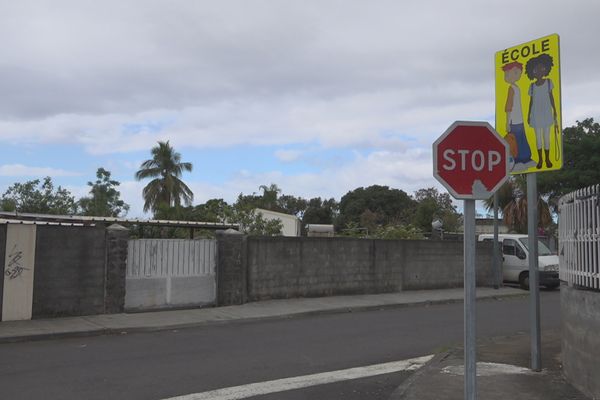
[[471, 160]]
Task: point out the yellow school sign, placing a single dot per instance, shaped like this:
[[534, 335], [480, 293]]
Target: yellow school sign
[[528, 106]]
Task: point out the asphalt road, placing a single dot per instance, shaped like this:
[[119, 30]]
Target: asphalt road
[[160, 365]]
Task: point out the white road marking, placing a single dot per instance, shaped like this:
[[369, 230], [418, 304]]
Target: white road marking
[[489, 369], [298, 382]]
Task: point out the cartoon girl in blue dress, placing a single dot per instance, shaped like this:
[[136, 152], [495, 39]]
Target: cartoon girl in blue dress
[[542, 111]]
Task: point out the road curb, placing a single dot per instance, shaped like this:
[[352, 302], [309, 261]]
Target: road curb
[[399, 393], [108, 330], [51, 336]]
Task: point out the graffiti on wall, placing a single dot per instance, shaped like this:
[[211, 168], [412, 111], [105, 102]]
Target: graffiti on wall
[[14, 264]]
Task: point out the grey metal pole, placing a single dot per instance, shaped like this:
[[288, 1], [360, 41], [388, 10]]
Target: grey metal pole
[[469, 305], [534, 287], [496, 267]]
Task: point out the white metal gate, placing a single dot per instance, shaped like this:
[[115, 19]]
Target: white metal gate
[[170, 272], [579, 237]]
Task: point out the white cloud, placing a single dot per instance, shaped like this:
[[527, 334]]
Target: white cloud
[[288, 155], [20, 170], [362, 120], [131, 193], [242, 73], [384, 78]]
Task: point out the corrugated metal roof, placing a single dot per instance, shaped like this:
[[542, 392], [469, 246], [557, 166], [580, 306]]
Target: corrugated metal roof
[[80, 220], [24, 222]]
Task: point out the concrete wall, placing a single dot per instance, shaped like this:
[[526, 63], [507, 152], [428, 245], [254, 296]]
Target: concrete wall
[[231, 271], [164, 292], [580, 313], [116, 266], [2, 257], [69, 271], [74, 271], [19, 271], [431, 264], [82, 270], [305, 267], [279, 267]]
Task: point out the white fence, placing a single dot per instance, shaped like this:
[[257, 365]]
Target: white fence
[[579, 237], [170, 257], [170, 272]]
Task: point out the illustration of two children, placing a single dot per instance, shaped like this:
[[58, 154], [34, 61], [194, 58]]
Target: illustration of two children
[[542, 111]]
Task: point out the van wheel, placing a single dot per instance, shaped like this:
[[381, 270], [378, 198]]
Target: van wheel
[[524, 281]]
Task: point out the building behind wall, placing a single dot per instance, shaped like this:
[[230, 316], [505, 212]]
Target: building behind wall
[[320, 230], [290, 223], [486, 225]]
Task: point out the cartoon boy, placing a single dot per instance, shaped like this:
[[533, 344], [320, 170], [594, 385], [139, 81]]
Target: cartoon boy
[[542, 111], [514, 115]]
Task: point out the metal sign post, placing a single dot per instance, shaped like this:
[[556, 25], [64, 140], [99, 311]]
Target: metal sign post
[[531, 151], [496, 267], [471, 160], [470, 299], [534, 287]]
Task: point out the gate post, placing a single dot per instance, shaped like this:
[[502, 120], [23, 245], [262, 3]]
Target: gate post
[[117, 237], [232, 268]]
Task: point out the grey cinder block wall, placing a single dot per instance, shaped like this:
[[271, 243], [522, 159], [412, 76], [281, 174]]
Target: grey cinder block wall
[[117, 238], [580, 314], [259, 268], [2, 257], [69, 271], [231, 270], [79, 271], [82, 270]]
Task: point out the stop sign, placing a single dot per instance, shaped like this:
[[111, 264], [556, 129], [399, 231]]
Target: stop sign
[[471, 160]]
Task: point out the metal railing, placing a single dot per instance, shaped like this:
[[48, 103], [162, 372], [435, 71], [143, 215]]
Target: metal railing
[[579, 237]]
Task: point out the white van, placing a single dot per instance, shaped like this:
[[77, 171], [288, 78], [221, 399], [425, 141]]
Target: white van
[[515, 256]]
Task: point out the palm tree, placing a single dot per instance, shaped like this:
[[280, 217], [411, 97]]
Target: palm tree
[[166, 189], [269, 197], [512, 201]]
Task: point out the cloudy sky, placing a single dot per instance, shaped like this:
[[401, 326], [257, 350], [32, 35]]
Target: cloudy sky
[[319, 97]]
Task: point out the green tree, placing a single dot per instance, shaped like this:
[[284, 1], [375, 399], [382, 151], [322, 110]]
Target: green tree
[[292, 205], [242, 212], [432, 204], [269, 200], [33, 197], [214, 210], [104, 199], [254, 224], [391, 206], [320, 211], [403, 232], [248, 201], [512, 202], [166, 188], [581, 162], [269, 197], [313, 211]]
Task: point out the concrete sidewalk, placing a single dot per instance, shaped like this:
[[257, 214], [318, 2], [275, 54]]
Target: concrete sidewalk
[[502, 373], [39, 329]]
